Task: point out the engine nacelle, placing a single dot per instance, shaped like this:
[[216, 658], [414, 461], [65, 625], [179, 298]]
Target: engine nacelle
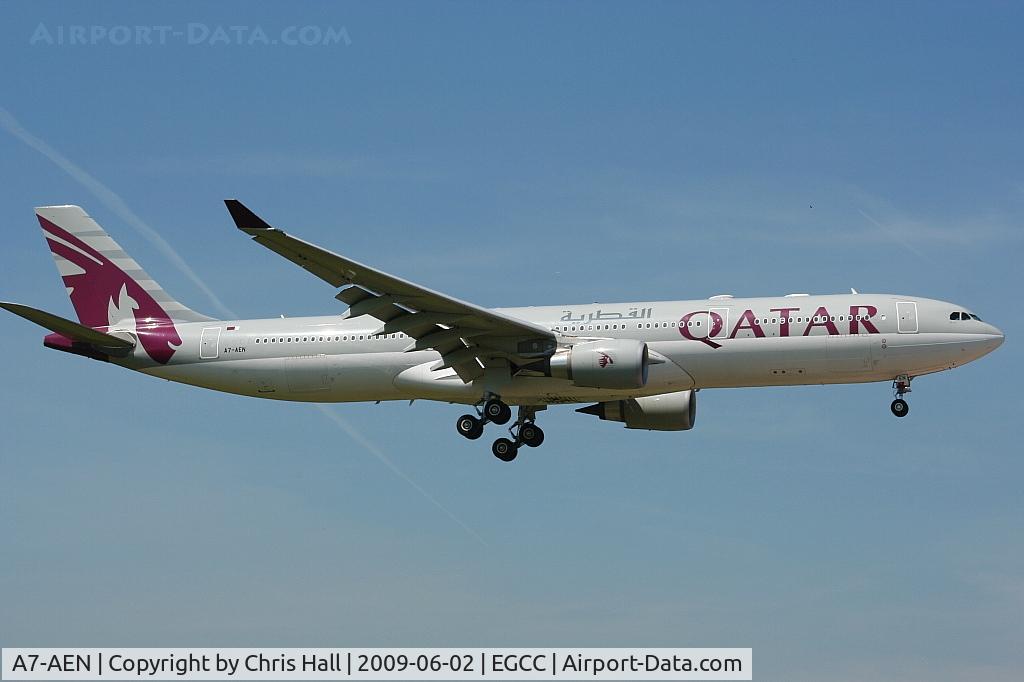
[[611, 363], [668, 412]]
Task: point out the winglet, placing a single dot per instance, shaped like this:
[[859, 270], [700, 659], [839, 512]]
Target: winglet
[[245, 220]]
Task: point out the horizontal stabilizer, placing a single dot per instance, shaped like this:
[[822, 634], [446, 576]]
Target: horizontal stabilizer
[[69, 329]]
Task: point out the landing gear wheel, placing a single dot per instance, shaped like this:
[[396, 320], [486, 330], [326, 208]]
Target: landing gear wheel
[[497, 411], [504, 449], [469, 426], [899, 407], [531, 435]]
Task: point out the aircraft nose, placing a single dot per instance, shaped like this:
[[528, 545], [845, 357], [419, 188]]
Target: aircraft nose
[[999, 337], [994, 336]]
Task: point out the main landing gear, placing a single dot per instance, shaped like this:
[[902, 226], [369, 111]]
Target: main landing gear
[[493, 410], [524, 431], [900, 387]]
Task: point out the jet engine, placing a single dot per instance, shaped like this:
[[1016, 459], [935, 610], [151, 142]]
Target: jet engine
[[610, 363], [667, 412]]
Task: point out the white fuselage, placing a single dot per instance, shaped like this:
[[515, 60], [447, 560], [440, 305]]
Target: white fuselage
[[710, 343]]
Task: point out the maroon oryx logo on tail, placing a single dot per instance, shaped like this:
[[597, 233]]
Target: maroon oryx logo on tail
[[604, 360], [103, 294]]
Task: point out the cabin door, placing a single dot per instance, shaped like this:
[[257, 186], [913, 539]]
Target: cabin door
[[906, 317], [209, 344]]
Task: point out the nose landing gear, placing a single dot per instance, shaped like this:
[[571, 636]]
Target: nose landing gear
[[900, 387]]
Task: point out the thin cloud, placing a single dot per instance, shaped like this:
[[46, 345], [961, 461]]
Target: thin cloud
[[274, 165], [895, 235], [112, 201], [116, 204], [379, 454], [794, 210]]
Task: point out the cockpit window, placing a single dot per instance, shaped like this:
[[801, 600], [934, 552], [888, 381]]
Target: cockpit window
[[954, 316], [975, 317], [960, 315]]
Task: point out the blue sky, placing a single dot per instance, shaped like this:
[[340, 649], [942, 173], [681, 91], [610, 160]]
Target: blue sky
[[510, 155]]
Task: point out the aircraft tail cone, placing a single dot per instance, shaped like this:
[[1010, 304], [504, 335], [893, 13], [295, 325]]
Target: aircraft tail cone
[[597, 409]]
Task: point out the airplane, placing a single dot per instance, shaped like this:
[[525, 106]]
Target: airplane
[[640, 364]]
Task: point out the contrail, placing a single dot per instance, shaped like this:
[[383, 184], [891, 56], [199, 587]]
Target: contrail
[[892, 235], [116, 204], [379, 454], [112, 201]]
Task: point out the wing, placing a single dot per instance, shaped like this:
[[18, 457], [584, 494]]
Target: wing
[[468, 337]]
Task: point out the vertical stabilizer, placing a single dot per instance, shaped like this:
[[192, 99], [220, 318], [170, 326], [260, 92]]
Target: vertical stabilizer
[[108, 289]]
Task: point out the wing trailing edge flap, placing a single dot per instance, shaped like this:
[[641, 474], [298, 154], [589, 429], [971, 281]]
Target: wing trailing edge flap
[[467, 336]]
